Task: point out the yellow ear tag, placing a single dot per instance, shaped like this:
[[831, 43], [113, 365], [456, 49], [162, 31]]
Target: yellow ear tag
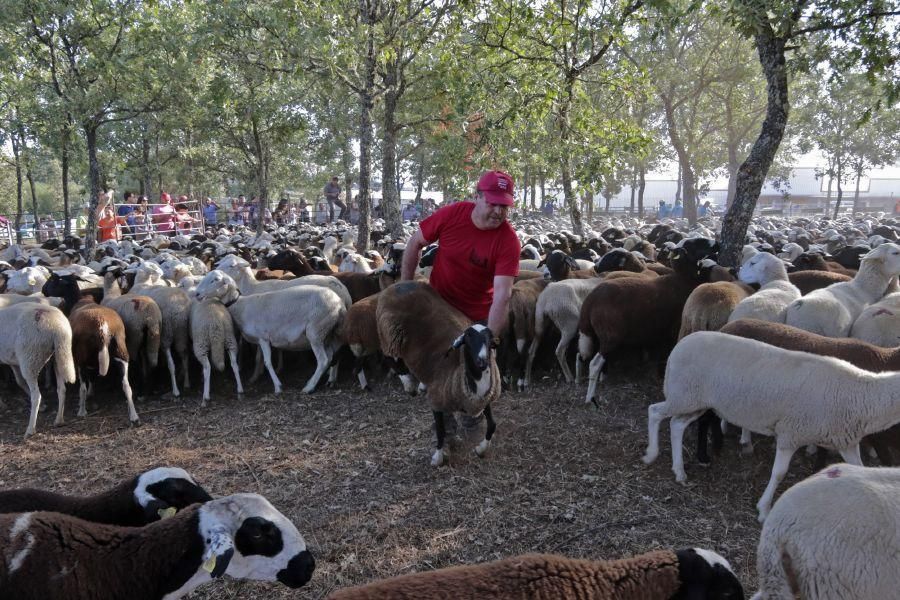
[[165, 513], [210, 564]]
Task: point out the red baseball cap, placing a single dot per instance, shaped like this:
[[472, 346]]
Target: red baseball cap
[[497, 187]]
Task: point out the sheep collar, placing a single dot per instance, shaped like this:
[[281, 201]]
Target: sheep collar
[[237, 296]]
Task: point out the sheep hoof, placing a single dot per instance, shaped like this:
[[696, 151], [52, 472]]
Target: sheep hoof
[[747, 449], [704, 462], [28, 434], [59, 422], [240, 395], [309, 389], [135, 424], [81, 414], [203, 403], [648, 458], [681, 478], [438, 458], [482, 448], [763, 513]]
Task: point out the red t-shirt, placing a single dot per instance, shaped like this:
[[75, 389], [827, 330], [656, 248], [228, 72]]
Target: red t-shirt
[[469, 258]]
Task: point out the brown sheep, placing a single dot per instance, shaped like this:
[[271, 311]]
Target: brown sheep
[[658, 575], [709, 305], [856, 352], [522, 304], [807, 281]]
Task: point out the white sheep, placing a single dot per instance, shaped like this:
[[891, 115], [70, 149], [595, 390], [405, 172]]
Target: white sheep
[[879, 324], [834, 535], [27, 280], [800, 398], [51, 556], [239, 270], [32, 333], [354, 263], [831, 311], [212, 333], [560, 302], [295, 318], [775, 294]]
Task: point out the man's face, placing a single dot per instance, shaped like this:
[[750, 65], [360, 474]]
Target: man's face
[[490, 215]]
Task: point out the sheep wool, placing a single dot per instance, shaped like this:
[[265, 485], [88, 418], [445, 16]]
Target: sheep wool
[[656, 575]]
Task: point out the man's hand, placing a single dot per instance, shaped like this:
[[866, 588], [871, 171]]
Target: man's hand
[[500, 306], [411, 255]]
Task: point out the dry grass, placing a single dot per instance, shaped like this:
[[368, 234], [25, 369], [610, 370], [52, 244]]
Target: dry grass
[[352, 470]]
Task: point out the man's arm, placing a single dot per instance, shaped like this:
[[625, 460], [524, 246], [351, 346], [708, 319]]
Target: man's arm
[[500, 306], [411, 255]]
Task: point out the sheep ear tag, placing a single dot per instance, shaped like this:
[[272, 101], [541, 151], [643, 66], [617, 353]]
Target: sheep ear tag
[[218, 555], [165, 513]]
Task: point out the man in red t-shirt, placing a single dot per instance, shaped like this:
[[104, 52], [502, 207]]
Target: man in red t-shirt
[[479, 252]]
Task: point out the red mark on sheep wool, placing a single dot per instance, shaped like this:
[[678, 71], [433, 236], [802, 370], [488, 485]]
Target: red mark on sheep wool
[[137, 303], [883, 311], [833, 473], [38, 314]]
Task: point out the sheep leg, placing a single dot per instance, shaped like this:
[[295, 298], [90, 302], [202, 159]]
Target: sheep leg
[[655, 415], [594, 379], [279, 362], [184, 366], [232, 355], [126, 388], [676, 428], [851, 455], [170, 363], [35, 393], [521, 359], [579, 368], [529, 362], [207, 373], [266, 350], [322, 362], [779, 469], [61, 400], [746, 441], [360, 371], [258, 368], [482, 448], [82, 394], [561, 351], [19, 379], [437, 459], [409, 384]]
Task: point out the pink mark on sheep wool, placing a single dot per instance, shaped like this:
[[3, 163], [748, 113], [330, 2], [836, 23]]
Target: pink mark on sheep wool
[[833, 473], [883, 311], [38, 314]]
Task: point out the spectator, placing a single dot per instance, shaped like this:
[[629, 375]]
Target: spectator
[[321, 216], [663, 211], [164, 215], [281, 212], [107, 224], [184, 221], [677, 210], [705, 210], [332, 193], [141, 220], [81, 221], [125, 211], [209, 212]]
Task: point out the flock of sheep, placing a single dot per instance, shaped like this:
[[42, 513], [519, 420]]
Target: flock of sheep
[[801, 343]]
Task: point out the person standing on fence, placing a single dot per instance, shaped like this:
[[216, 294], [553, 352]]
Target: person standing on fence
[[141, 219], [332, 193], [126, 211], [164, 215], [209, 212], [107, 220], [184, 221]]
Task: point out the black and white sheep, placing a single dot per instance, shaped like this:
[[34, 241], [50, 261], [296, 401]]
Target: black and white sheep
[[51, 556], [145, 498]]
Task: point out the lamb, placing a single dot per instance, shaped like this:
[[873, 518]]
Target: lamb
[[807, 281], [239, 270], [296, 318], [153, 495], [98, 334], [175, 306], [636, 311], [878, 324], [51, 556], [832, 311], [354, 263], [803, 399], [561, 303], [359, 331], [212, 334], [658, 575], [775, 294], [709, 306], [32, 334], [453, 358], [833, 535]]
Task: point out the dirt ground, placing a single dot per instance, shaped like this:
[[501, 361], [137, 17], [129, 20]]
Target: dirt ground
[[352, 470]]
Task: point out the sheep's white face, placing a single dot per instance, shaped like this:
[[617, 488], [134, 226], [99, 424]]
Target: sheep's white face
[[232, 265], [26, 281], [759, 268], [889, 254], [247, 538], [215, 284], [348, 261]]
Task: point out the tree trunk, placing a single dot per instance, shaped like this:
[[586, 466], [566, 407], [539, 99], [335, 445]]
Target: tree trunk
[[678, 183], [733, 166], [686, 173], [633, 185], [840, 190], [525, 189], [390, 195], [533, 190], [856, 191], [420, 174], [828, 195], [64, 167], [261, 150], [146, 174], [90, 138], [14, 141], [543, 188], [347, 166], [753, 171], [565, 162], [189, 138], [366, 103], [642, 185]]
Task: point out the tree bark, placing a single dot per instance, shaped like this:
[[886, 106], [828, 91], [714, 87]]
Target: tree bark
[[533, 190], [146, 174], [390, 195], [840, 190], [856, 191], [633, 185], [685, 170], [543, 188], [64, 167], [14, 141], [347, 165], [90, 138], [366, 103], [565, 162], [642, 185], [525, 189], [753, 171], [261, 151]]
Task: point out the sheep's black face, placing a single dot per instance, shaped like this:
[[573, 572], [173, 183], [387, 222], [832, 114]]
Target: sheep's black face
[[614, 260], [428, 256], [559, 264], [705, 574], [476, 341], [174, 492]]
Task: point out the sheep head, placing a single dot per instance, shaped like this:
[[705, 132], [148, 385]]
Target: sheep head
[[217, 284], [477, 342], [163, 491], [888, 255]]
